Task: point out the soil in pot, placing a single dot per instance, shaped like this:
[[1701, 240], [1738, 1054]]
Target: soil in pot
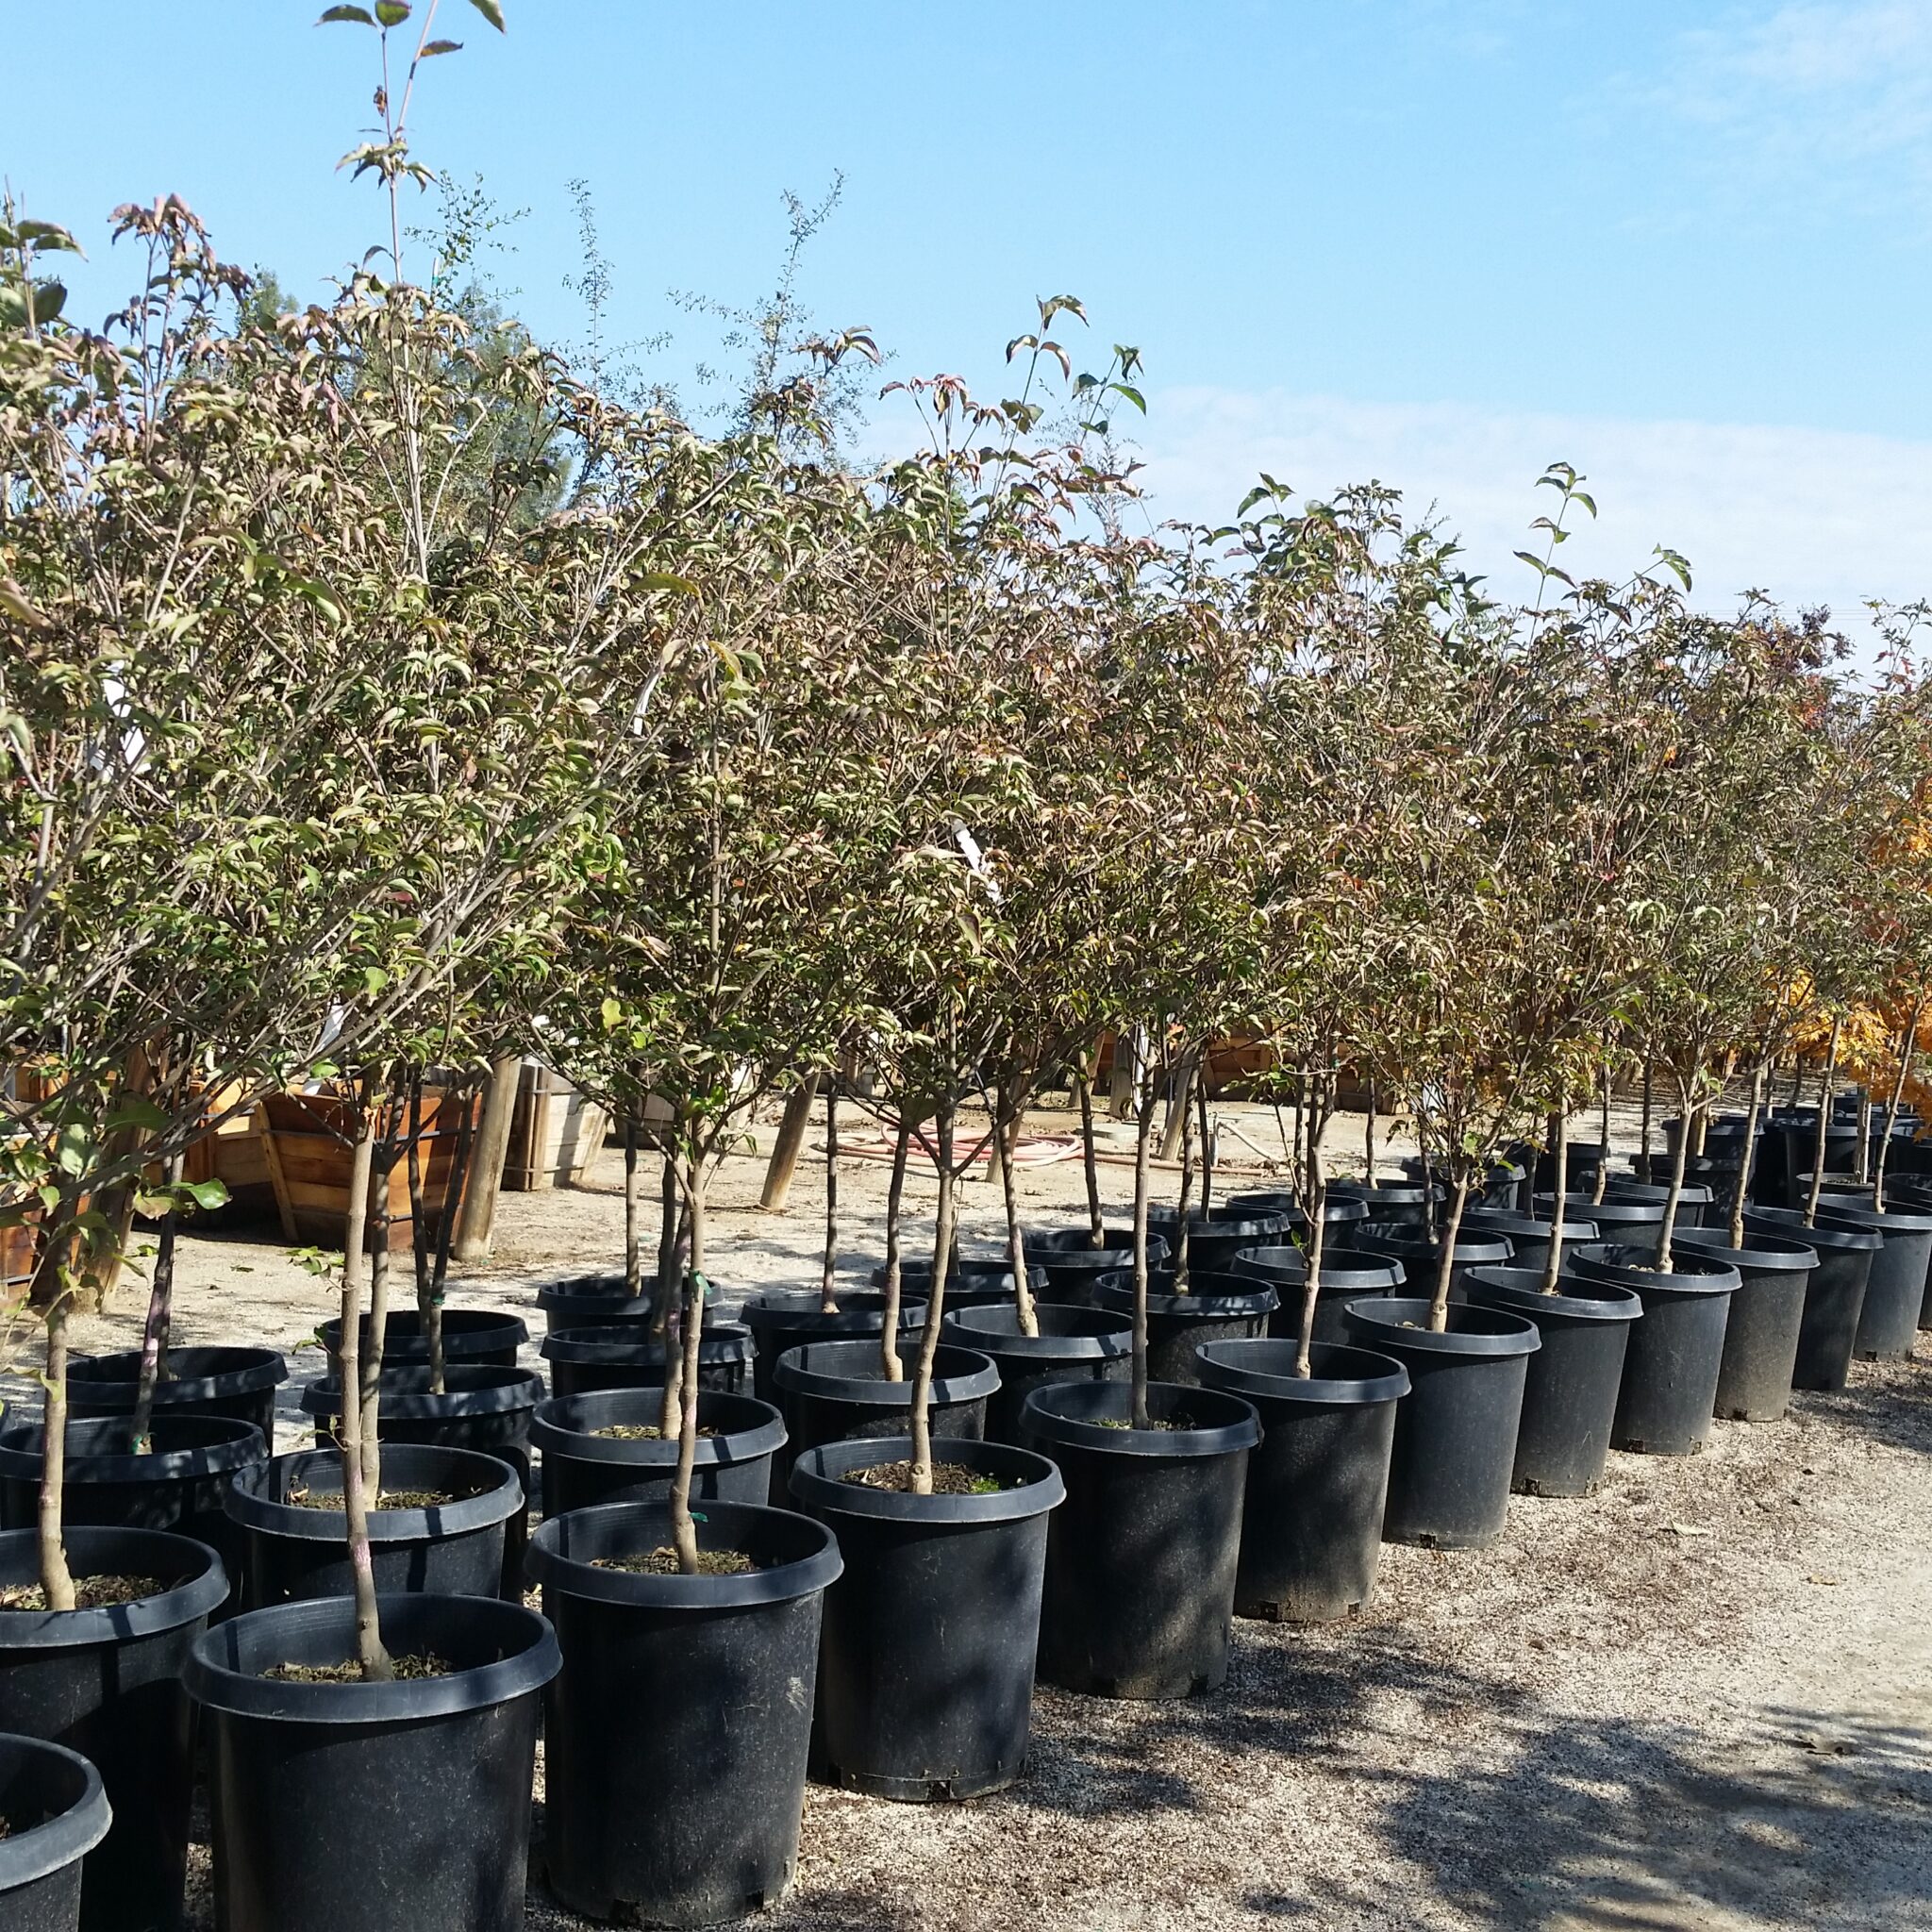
[[582, 1360], [1571, 1384], [698, 1690], [178, 1484], [1311, 1518], [786, 1318], [926, 1657], [53, 1810], [106, 1682], [1895, 1290], [1142, 1556], [1668, 1394], [389, 1807], [1346, 1275], [1767, 1316], [829, 1390], [236, 1383], [1834, 1292], [1074, 1344], [479, 1336], [1216, 1307], [298, 1541], [1455, 1452], [587, 1461]]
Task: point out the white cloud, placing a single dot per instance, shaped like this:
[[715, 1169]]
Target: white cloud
[[1811, 516]]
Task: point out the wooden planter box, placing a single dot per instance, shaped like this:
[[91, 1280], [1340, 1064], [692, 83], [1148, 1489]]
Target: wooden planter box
[[308, 1164], [555, 1135], [18, 1246]]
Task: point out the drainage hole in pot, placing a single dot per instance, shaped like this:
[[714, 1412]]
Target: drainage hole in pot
[[388, 1499], [948, 1479], [409, 1667], [638, 1432], [662, 1561], [89, 1593]]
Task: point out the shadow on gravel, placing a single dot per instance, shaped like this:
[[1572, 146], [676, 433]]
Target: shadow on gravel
[[1890, 1403]]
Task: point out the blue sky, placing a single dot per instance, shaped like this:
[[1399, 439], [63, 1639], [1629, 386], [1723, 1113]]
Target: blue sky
[[1440, 242]]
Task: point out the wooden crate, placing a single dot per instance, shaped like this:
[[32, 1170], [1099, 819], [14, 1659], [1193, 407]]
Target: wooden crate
[[308, 1166], [555, 1135]]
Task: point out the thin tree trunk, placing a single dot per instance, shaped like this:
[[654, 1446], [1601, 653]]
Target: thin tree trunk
[[492, 1143], [161, 1315], [920, 1476], [1907, 1043], [1760, 1079], [375, 1660], [384, 1165], [895, 1202], [1182, 1226], [1208, 1146], [1797, 1079], [1553, 1266], [1311, 1290], [684, 1533], [1174, 1124], [1603, 1161], [1446, 1265], [789, 1145], [446, 1228], [1368, 1140], [1096, 1225], [828, 1271], [668, 1198], [1824, 1086], [1861, 1147], [427, 1313], [1143, 1135], [57, 1580], [1016, 1252], [1644, 1131], [1667, 1226], [671, 1262], [633, 1206]]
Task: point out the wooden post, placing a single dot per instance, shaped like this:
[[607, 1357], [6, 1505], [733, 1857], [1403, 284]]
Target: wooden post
[[789, 1145], [478, 1219]]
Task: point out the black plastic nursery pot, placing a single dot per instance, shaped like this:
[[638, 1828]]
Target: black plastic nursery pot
[[597, 1300], [969, 1282], [178, 1485], [1529, 1234], [1694, 1200], [1072, 1273], [732, 1462], [56, 1811], [786, 1318], [1386, 1201], [1339, 1213], [926, 1656], [453, 1548], [830, 1390], [1455, 1451], [1346, 1275], [1214, 1240], [582, 1360], [1042, 1244], [402, 1806], [238, 1383], [1790, 1149], [1421, 1254], [694, 1692], [1074, 1344], [1834, 1292], [1140, 1559], [1311, 1518], [1767, 1315], [1570, 1388], [1216, 1307], [1895, 1293], [1581, 1161], [478, 1336], [106, 1682], [1669, 1395], [1614, 1221]]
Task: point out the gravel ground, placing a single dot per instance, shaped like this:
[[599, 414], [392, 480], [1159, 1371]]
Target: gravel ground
[[1701, 1699]]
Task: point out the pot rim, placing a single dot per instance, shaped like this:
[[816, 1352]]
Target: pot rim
[[1388, 1273], [1105, 1345], [202, 1587], [552, 1568], [1776, 1258], [1526, 1298], [614, 1341], [235, 1445], [1374, 1317], [1262, 1300], [1387, 1381], [101, 1376], [970, 1375], [551, 1430], [520, 1389], [1789, 1221], [1240, 1430], [817, 1478], [65, 1835], [1721, 1278], [222, 1686]]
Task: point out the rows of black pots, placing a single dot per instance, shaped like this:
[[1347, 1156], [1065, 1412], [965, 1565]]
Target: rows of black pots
[[1096, 1554]]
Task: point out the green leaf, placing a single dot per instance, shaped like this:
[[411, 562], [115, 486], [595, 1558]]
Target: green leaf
[[392, 12], [71, 1147], [441, 47], [666, 580], [360, 15], [492, 10], [14, 604], [138, 1110], [210, 1194], [374, 980], [46, 235], [612, 1014]]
